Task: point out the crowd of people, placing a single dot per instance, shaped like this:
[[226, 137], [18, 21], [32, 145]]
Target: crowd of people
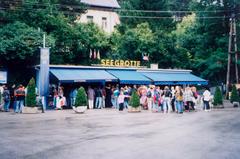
[[17, 96], [153, 98]]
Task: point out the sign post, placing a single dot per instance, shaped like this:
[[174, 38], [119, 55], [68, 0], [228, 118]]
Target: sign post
[[44, 76]]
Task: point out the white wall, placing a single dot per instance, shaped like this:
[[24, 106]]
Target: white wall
[[112, 18]]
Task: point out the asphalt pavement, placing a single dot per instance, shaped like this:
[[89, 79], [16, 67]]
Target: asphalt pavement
[[110, 134]]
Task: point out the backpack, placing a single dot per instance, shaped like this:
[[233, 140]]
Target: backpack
[[6, 96], [149, 94]]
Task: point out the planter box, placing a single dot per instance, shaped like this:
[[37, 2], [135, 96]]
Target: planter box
[[30, 110], [80, 109], [235, 104], [134, 110]]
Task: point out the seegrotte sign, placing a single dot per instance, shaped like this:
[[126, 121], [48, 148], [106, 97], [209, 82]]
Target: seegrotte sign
[[120, 63]]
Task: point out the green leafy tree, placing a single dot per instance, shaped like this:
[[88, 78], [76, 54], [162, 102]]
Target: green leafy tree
[[234, 95], [19, 42], [31, 94], [81, 98], [134, 42], [218, 99], [135, 100]]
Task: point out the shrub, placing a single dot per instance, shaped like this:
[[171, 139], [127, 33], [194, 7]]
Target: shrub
[[81, 98], [218, 99], [234, 95], [135, 101], [31, 94]]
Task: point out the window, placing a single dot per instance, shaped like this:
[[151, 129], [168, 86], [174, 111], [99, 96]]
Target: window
[[104, 23], [90, 19]]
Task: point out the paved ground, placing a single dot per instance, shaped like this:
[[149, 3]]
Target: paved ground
[[109, 134]]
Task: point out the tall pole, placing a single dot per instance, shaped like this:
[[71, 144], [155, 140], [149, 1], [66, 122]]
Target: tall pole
[[229, 58], [235, 48], [44, 40]]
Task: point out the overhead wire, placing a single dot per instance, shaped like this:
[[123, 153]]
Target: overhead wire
[[130, 11]]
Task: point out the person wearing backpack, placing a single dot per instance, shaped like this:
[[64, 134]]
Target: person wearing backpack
[[167, 100], [150, 98], [179, 99], [6, 98], [20, 97]]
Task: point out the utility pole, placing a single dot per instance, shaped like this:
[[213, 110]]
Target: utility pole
[[229, 58], [232, 44], [235, 48]]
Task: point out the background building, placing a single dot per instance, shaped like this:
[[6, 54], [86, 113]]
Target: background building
[[101, 12]]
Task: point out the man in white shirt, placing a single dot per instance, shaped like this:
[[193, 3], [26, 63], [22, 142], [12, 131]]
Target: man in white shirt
[[206, 98]]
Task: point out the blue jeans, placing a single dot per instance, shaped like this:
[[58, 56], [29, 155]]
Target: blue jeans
[[19, 106], [6, 105], [125, 104], [98, 103], [115, 102], [73, 99], [155, 106], [167, 104], [179, 105]]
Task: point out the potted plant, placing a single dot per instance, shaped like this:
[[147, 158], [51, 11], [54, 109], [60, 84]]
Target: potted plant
[[234, 97], [81, 101], [30, 106], [218, 99], [134, 103]]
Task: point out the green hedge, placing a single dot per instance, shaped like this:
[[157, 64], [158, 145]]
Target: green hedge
[[234, 95], [81, 99], [218, 99], [31, 94], [135, 100]]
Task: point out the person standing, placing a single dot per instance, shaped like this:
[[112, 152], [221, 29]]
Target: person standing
[[188, 98], [173, 99], [91, 95], [108, 102], [20, 97], [6, 98], [179, 99], [121, 98], [126, 93], [98, 95], [150, 94], [103, 97], [167, 100], [1, 98], [115, 97], [73, 95], [206, 99]]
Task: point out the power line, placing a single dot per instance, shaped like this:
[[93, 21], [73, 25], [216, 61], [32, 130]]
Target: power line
[[130, 10], [171, 11], [165, 17], [125, 16]]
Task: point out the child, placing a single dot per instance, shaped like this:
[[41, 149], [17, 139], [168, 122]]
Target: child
[[121, 100]]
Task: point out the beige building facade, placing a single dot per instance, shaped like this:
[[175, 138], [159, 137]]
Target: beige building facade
[[101, 12]]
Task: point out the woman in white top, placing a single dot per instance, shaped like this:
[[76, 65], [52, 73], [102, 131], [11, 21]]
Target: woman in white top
[[206, 99]]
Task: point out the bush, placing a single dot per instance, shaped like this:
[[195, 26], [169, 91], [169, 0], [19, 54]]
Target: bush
[[234, 95], [81, 99], [218, 99], [135, 100], [31, 94]]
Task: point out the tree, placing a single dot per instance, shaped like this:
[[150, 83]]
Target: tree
[[234, 95], [134, 42], [135, 101], [218, 99], [81, 98], [19, 42], [31, 94]]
